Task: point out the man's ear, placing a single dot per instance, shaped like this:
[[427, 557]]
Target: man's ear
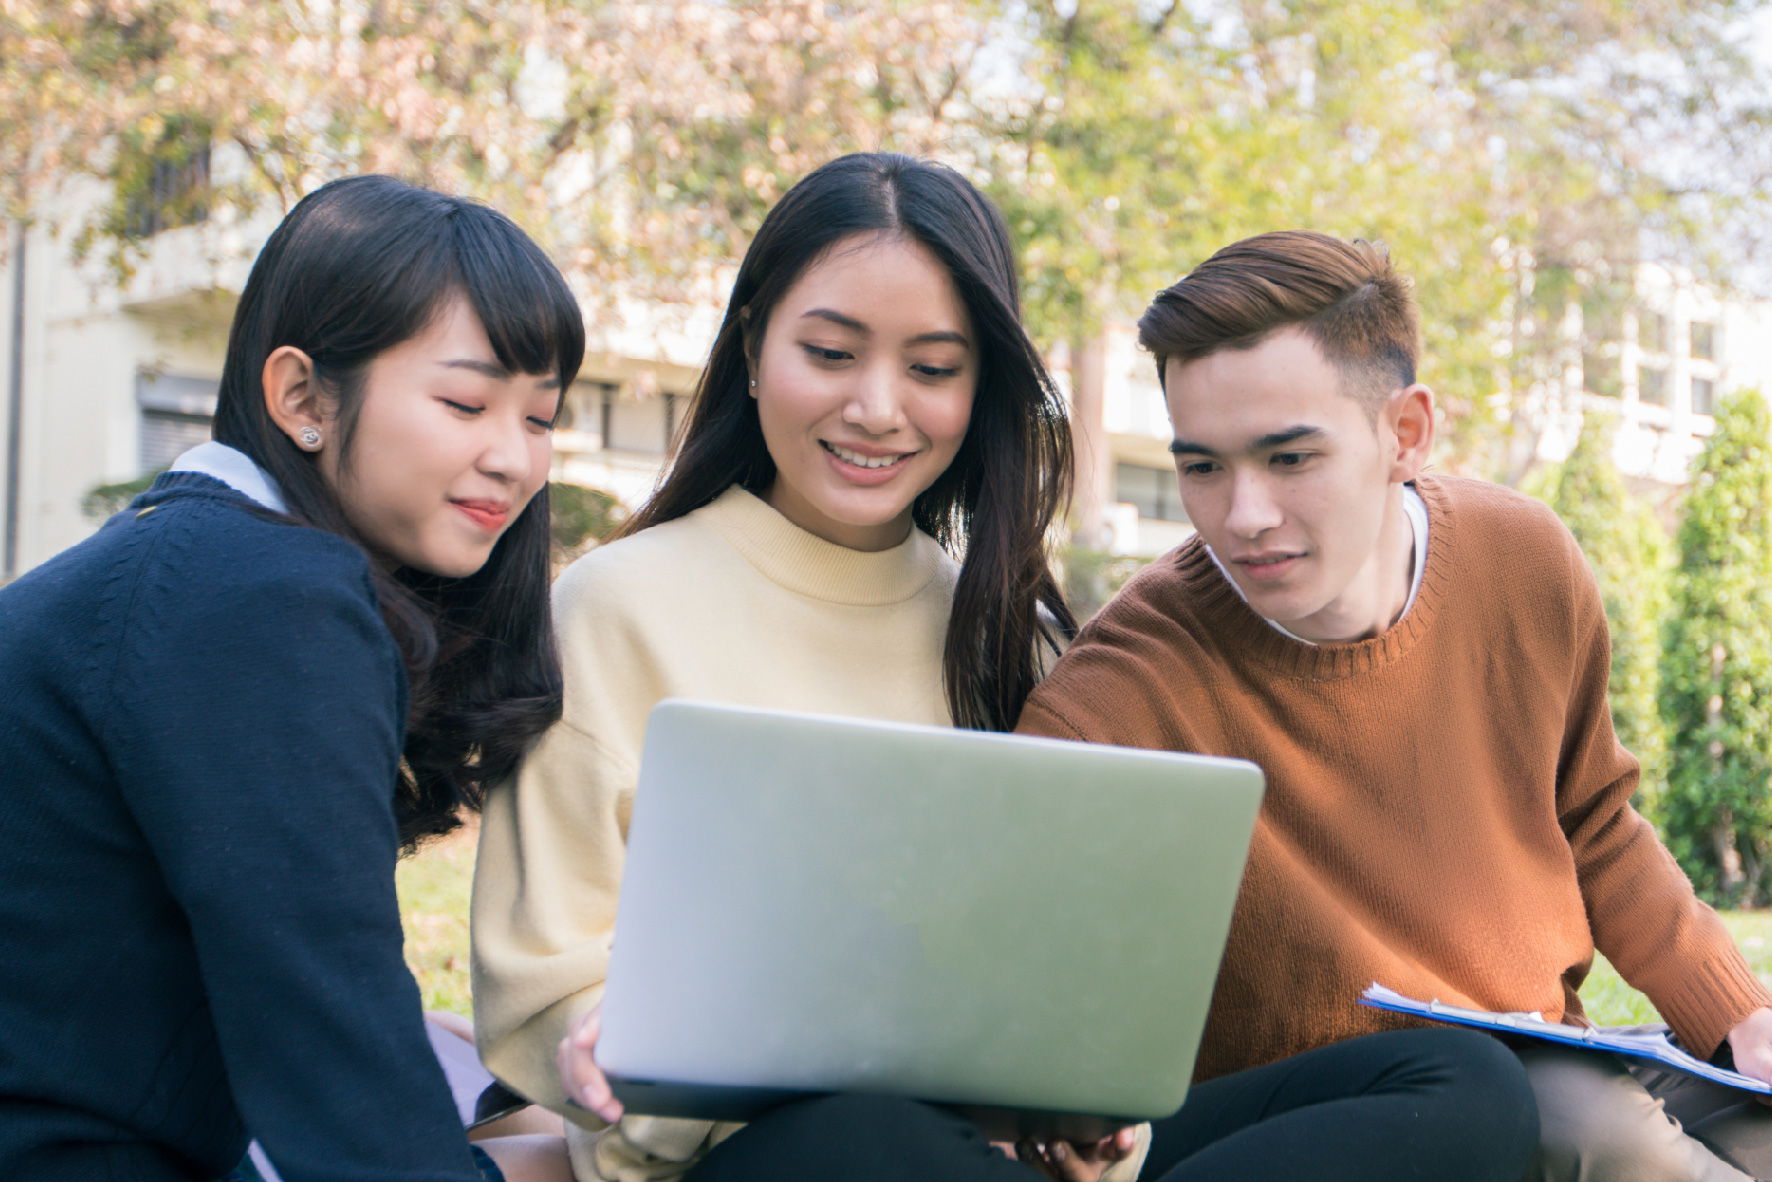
[[1409, 413], [292, 397]]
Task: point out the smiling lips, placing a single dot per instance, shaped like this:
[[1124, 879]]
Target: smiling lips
[[863, 468], [488, 515]]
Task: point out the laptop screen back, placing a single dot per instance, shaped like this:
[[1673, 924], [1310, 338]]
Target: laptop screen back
[[816, 904]]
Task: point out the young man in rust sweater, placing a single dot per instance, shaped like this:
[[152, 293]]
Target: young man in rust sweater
[[1420, 664]]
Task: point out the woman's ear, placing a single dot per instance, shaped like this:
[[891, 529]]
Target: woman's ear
[[292, 397]]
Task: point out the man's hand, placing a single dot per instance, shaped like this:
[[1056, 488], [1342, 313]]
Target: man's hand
[[1751, 1043], [584, 1081], [1067, 1161]]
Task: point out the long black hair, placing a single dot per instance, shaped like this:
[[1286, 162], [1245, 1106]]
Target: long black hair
[[994, 503], [359, 266]]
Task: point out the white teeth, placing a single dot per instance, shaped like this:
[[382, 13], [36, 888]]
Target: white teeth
[[861, 461]]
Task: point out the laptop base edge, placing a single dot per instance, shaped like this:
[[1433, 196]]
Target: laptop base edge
[[731, 1102]]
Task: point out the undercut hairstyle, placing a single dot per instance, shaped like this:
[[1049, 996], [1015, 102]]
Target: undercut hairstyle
[[993, 505], [357, 267], [1345, 296]]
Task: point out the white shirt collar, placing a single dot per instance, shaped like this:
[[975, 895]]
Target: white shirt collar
[[233, 468]]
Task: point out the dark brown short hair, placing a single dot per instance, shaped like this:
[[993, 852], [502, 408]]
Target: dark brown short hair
[[1345, 296]]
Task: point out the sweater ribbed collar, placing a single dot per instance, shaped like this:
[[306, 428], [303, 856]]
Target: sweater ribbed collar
[[1215, 601], [806, 564]]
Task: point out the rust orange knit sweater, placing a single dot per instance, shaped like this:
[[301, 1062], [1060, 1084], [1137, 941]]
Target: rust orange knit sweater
[[1448, 810]]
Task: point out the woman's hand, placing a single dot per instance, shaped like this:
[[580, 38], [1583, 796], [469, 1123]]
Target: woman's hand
[[584, 1081]]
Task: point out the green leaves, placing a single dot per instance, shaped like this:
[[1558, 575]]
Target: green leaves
[[581, 516]]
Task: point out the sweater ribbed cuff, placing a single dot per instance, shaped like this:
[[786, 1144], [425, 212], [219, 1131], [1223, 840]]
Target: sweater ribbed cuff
[[1709, 1000]]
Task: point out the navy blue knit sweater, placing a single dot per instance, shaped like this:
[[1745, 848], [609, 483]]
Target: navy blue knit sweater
[[201, 718]]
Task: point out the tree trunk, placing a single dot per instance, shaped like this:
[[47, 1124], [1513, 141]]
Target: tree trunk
[[1093, 472], [1753, 872], [1730, 877]]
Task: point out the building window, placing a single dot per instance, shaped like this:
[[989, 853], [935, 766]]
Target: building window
[[1704, 396], [1653, 386], [175, 416], [582, 407], [1704, 341], [1152, 491], [640, 425], [1655, 332]]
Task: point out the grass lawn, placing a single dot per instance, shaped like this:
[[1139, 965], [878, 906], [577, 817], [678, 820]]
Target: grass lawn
[[1610, 1001], [434, 911], [434, 908]]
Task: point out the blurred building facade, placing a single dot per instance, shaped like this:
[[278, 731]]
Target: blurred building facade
[[1655, 362]]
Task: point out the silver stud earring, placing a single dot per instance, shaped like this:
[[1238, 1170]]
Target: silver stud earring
[[753, 383], [309, 438]]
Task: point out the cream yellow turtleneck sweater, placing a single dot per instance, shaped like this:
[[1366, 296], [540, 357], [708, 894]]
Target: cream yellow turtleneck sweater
[[732, 603]]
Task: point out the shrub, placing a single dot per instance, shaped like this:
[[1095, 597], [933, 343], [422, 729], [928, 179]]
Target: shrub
[[1629, 553], [582, 515], [101, 501], [1717, 669]]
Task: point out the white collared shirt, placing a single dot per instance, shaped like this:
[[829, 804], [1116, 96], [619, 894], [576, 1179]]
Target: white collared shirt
[[233, 468]]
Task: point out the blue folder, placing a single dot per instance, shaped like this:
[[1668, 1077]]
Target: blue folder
[[1636, 1042]]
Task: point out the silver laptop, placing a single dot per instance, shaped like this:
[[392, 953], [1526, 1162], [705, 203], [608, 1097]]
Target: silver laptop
[[1026, 929]]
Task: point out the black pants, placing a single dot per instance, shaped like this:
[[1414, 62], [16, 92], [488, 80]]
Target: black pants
[[1435, 1105]]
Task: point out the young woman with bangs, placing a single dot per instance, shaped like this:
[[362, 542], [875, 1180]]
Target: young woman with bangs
[[304, 649], [855, 523]]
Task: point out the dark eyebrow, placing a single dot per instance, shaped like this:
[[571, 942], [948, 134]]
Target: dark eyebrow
[[838, 318], [491, 369], [1281, 438], [856, 326], [1273, 439], [495, 371]]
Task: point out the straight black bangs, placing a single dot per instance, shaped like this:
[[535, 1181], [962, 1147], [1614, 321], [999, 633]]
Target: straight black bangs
[[530, 316], [378, 262]]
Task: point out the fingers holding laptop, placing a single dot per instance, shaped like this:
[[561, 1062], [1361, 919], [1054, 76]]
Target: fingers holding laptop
[[1119, 1145], [1070, 1161], [1087, 1161], [583, 1080]]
